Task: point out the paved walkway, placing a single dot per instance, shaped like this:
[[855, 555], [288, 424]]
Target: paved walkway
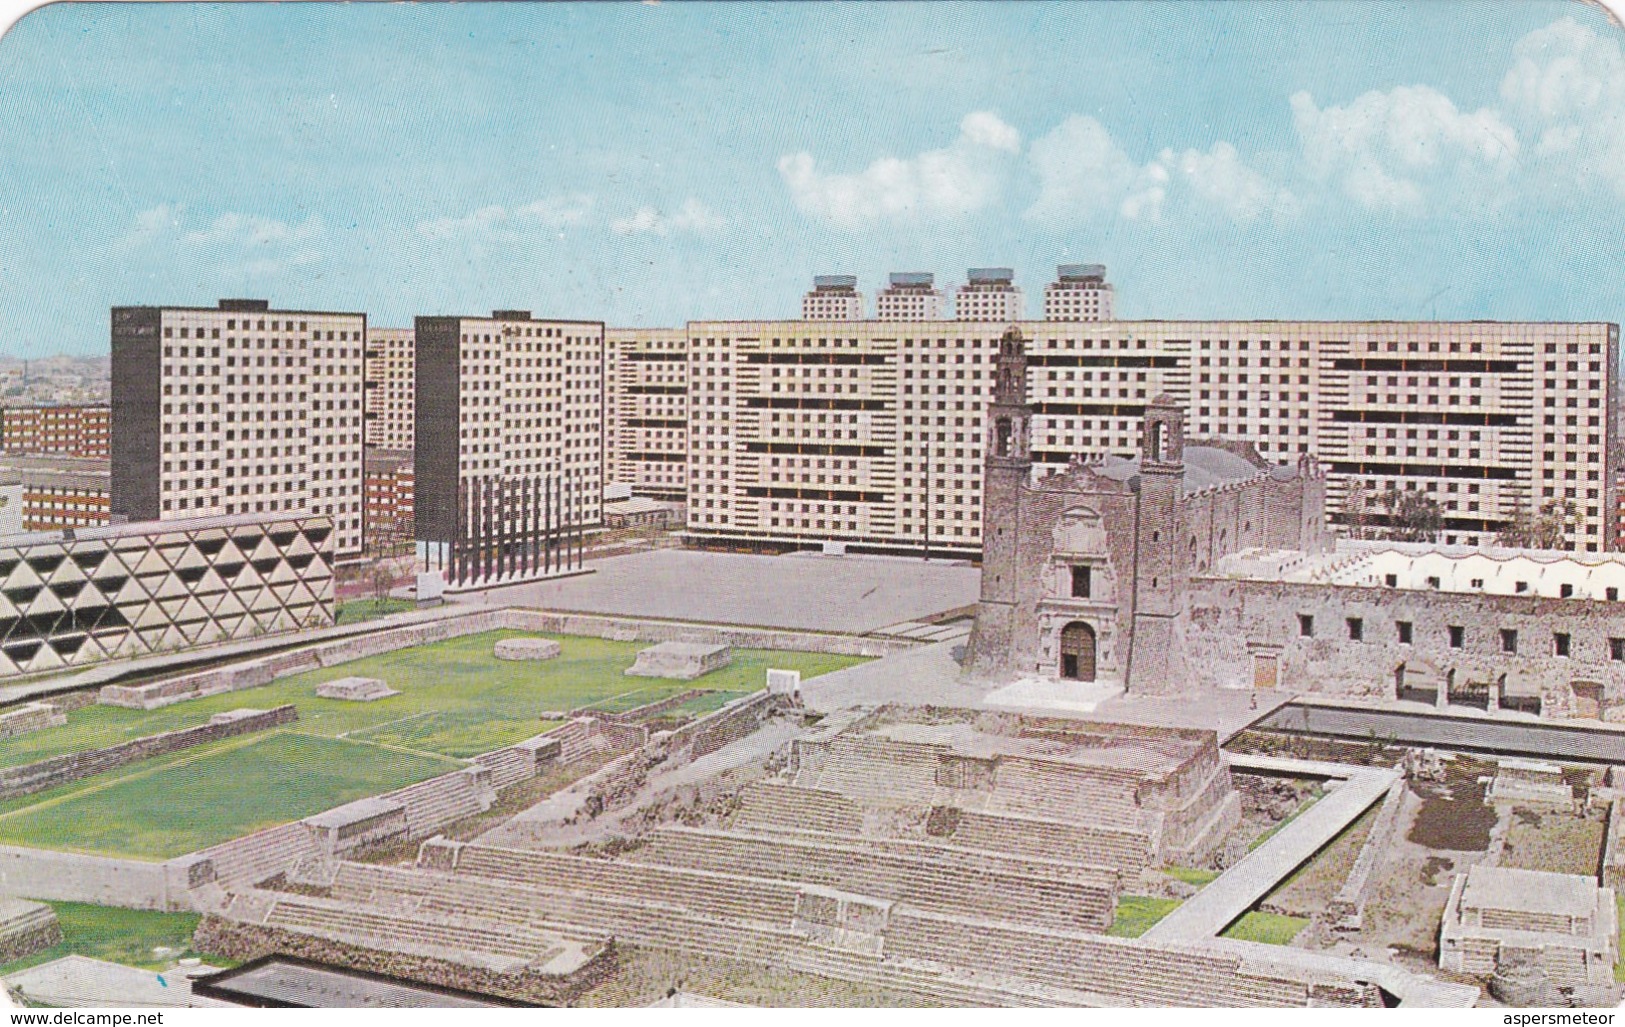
[[1411, 723], [1238, 889]]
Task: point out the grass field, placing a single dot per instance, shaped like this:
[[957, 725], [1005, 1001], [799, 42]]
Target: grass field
[[125, 936], [475, 701], [1136, 914], [1269, 928], [187, 802], [457, 700], [354, 611]]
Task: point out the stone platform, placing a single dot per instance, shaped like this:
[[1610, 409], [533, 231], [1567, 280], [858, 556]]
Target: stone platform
[[355, 689], [26, 928], [34, 716], [684, 661], [526, 649]]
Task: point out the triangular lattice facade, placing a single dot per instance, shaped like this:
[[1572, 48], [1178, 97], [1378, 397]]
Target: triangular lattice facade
[[136, 589]]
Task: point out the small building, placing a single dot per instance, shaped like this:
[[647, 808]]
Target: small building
[[643, 512], [1499, 917], [833, 298], [989, 294]]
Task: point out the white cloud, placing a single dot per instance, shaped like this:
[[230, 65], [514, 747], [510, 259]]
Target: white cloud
[[497, 223], [1566, 88], [692, 217], [233, 245], [1083, 173], [247, 230], [1395, 150], [1223, 180], [959, 179]]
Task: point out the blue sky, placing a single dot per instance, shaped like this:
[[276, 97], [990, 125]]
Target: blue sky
[[647, 164]]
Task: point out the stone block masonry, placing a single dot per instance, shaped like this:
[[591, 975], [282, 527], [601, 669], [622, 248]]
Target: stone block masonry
[[34, 777], [526, 649], [26, 928], [354, 689], [683, 661], [34, 716]]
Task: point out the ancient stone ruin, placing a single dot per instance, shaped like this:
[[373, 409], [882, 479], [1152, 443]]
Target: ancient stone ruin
[[1562, 923], [355, 689], [684, 661], [526, 649]]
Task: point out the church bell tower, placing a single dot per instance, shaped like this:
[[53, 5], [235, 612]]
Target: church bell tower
[[1007, 469]]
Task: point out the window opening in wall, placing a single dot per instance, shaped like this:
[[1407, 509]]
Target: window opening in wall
[[1403, 627], [1306, 625], [1560, 643], [1457, 636], [1082, 582], [1356, 629], [1509, 640]]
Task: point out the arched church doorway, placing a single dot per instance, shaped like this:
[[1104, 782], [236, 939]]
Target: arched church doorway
[[1078, 652]]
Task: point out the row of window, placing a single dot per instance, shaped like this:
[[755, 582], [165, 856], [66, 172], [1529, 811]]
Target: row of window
[[1456, 634]]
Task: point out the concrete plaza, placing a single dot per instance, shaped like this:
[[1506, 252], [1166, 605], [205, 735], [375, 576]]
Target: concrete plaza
[[801, 591]]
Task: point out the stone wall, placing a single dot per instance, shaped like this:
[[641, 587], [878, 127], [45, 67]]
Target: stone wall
[[646, 711], [220, 936], [32, 935], [732, 722], [1347, 908], [74, 877], [47, 773], [1613, 848], [1232, 619]]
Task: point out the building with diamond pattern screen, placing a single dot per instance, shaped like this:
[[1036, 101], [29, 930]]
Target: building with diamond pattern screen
[[135, 589]]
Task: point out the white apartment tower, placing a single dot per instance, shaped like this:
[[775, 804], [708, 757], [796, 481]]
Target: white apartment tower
[[1080, 292], [833, 298], [870, 433], [910, 296], [504, 402], [238, 409], [646, 410], [389, 389], [990, 294]]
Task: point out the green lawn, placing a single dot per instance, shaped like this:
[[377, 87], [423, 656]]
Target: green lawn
[[1619, 967], [1191, 875], [1269, 928], [457, 699], [1137, 913], [354, 611], [125, 936], [172, 805]]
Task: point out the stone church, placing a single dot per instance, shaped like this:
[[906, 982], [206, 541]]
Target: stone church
[[1086, 572]]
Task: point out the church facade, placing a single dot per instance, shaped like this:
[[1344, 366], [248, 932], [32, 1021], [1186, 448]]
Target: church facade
[[1086, 573]]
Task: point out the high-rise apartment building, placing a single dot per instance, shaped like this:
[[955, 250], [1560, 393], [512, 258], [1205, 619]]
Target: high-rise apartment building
[[72, 431], [389, 389], [869, 433], [1080, 292], [238, 409], [909, 296], [506, 403], [833, 298], [646, 410], [989, 294]]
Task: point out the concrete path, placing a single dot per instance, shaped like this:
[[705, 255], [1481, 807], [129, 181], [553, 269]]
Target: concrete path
[[1514, 734], [1238, 889]]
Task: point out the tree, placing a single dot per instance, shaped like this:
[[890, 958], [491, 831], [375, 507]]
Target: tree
[[1546, 530], [1356, 512], [1411, 515], [381, 580]]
